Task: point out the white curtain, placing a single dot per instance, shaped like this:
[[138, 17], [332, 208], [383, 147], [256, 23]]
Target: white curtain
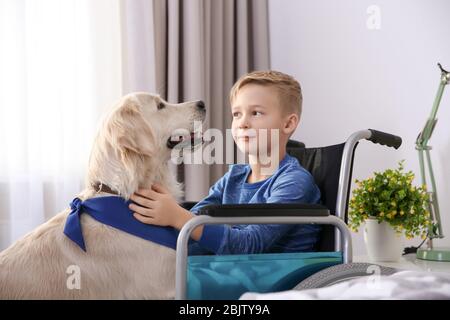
[[60, 68], [63, 62]]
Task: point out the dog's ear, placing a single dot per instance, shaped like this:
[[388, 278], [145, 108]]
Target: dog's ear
[[130, 132]]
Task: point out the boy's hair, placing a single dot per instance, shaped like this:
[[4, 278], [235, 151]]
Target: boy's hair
[[289, 90]]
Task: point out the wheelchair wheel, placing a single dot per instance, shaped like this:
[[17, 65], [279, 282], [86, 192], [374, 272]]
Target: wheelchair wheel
[[341, 273]]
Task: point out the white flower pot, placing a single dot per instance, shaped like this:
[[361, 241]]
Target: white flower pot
[[382, 242]]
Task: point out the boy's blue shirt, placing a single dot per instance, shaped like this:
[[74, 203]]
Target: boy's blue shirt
[[291, 183]]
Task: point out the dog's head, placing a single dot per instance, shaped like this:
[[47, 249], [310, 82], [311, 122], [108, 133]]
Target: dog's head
[[172, 124], [137, 137]]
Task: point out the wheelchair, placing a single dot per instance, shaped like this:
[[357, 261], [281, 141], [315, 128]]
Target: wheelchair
[[229, 276]]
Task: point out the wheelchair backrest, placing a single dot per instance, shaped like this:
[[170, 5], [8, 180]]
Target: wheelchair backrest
[[324, 164]]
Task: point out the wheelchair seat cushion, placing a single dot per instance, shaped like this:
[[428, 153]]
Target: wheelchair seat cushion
[[229, 276]]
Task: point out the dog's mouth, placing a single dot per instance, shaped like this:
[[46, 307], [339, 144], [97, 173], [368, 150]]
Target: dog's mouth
[[183, 141]]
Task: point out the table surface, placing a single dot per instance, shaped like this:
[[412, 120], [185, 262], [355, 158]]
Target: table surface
[[410, 262]]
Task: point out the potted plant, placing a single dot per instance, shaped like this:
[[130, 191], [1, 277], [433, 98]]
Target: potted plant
[[390, 206]]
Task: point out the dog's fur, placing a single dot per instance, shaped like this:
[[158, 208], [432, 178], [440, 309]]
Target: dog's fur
[[130, 151]]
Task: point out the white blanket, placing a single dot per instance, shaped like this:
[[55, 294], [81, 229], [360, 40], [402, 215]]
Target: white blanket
[[401, 285]]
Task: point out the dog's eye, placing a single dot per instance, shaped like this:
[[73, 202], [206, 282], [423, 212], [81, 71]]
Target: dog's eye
[[161, 106]]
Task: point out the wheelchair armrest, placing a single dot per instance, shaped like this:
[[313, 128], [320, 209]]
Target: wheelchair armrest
[[188, 204], [188, 228], [265, 210]]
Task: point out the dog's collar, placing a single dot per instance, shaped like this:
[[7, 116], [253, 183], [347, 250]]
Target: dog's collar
[[113, 211], [100, 187]]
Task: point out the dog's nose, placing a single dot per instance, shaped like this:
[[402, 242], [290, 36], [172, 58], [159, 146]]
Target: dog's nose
[[201, 105]]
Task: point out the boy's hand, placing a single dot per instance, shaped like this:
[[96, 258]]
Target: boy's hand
[[156, 206]]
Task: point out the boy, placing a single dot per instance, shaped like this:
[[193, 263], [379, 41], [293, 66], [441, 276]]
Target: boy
[[264, 101]]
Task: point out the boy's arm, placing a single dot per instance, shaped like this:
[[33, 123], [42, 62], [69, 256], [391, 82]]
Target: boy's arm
[[260, 238], [215, 194]]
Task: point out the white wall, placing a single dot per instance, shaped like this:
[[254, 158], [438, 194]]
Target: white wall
[[356, 78]]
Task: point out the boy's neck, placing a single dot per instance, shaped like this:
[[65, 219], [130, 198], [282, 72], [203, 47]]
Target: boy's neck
[[261, 170]]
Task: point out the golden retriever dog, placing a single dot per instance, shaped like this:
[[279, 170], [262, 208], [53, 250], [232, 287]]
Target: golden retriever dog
[[132, 150]]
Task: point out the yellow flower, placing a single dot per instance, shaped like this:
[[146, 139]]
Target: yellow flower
[[381, 214], [402, 212]]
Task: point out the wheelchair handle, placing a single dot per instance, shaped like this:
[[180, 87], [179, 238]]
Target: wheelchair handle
[[347, 163], [384, 138]]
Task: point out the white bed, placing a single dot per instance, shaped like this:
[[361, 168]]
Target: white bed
[[400, 285]]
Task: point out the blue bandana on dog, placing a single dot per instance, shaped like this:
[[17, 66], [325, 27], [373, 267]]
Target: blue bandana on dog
[[114, 212]]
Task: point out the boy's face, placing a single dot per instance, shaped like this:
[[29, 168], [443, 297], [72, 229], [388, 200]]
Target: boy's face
[[257, 107]]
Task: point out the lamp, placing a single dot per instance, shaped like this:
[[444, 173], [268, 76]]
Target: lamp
[[435, 231]]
